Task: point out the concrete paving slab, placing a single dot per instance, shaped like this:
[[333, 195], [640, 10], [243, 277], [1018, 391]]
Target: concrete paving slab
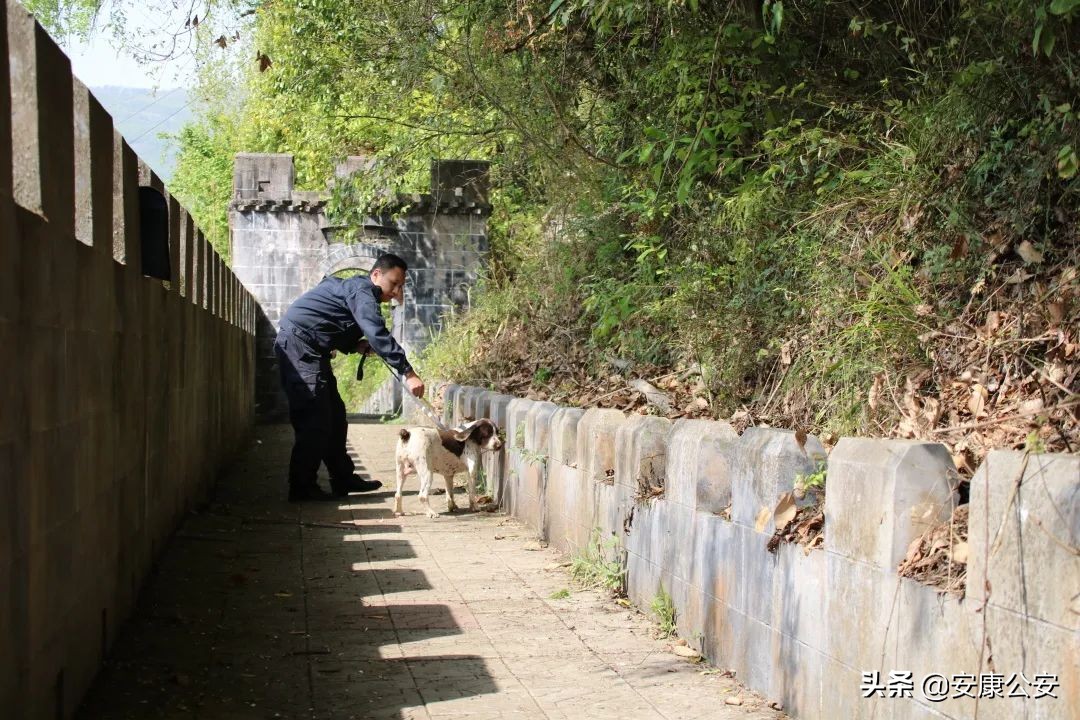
[[261, 609]]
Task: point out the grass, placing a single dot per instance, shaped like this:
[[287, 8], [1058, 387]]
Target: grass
[[560, 594], [812, 481], [355, 393], [481, 481], [594, 567], [790, 292], [663, 609], [532, 457]]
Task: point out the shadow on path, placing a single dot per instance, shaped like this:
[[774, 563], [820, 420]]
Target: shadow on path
[[262, 609]]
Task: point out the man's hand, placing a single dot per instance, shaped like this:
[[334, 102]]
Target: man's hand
[[415, 384], [363, 346]]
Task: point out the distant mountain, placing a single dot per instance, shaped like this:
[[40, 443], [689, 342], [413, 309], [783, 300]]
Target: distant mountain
[[141, 115]]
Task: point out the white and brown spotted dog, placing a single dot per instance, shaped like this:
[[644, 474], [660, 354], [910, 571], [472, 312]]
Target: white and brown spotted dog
[[427, 451]]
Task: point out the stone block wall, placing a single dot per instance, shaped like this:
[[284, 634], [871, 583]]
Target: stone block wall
[[687, 507], [121, 395]]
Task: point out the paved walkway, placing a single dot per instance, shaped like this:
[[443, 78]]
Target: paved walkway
[[261, 609]]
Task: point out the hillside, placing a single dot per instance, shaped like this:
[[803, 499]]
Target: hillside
[[143, 115], [847, 218]]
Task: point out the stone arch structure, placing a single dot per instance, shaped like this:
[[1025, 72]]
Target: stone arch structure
[[283, 245], [359, 255]]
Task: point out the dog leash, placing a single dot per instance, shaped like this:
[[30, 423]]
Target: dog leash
[[424, 405]]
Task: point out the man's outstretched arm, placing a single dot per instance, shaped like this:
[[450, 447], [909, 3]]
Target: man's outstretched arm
[[366, 312]]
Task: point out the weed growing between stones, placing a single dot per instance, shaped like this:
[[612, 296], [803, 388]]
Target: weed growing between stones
[[663, 610], [481, 482], [593, 568], [533, 457]]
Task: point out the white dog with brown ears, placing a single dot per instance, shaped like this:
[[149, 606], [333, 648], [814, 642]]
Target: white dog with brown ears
[[426, 451]]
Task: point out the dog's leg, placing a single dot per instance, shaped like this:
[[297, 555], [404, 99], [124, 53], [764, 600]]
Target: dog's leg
[[451, 506], [424, 473], [471, 465], [401, 472]]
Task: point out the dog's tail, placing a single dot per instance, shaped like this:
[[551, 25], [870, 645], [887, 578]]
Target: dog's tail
[[404, 435]]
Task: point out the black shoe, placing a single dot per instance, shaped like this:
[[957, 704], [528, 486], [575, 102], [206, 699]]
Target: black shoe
[[353, 484], [307, 493]]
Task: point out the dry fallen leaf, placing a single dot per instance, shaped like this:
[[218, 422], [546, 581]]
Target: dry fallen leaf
[[913, 551], [1028, 253], [762, 518], [1018, 277], [1032, 406], [785, 353], [977, 401], [873, 398], [785, 511], [686, 652], [959, 248]]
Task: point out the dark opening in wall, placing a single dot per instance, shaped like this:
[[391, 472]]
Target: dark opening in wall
[[154, 233]]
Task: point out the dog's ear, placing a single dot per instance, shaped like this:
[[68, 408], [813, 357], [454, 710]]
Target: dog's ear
[[462, 433]]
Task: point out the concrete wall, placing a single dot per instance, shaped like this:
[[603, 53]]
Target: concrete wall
[[283, 245], [802, 626], [120, 396]]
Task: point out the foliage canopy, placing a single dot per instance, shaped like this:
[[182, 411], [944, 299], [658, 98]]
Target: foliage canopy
[[796, 196]]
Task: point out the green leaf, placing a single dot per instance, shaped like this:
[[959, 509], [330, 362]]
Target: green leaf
[[1067, 163], [777, 16], [1044, 39], [1049, 38], [1064, 7]]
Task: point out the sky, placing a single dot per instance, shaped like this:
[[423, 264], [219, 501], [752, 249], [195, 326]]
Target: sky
[[142, 116], [146, 99], [96, 63]]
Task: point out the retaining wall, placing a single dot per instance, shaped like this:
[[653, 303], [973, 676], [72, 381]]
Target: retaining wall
[[120, 395], [802, 627]]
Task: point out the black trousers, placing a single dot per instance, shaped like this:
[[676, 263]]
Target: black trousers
[[316, 411]]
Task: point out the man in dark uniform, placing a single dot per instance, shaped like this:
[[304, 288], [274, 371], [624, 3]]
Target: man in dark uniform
[[334, 315]]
